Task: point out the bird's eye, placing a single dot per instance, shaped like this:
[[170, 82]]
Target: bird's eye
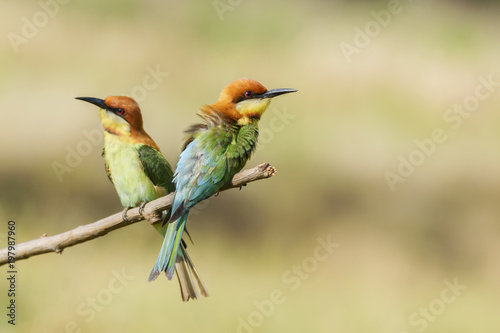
[[120, 111], [248, 94]]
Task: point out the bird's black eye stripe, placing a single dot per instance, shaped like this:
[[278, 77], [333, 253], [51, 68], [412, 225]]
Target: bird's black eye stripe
[[246, 95]]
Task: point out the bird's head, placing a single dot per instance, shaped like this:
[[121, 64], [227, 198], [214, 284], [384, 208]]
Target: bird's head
[[245, 100], [119, 114]]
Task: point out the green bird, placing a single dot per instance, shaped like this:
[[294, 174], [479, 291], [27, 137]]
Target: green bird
[[213, 153], [140, 173]]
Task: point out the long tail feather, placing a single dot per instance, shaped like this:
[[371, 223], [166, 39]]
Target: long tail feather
[[188, 289], [168, 252], [189, 280], [169, 268]]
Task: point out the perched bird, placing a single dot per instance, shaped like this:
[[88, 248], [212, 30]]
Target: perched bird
[[213, 153], [140, 173]]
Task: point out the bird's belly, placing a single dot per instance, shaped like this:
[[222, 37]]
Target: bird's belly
[[131, 183]]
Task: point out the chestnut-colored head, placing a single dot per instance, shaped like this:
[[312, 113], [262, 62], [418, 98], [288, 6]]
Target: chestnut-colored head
[[121, 115], [246, 100], [116, 110]]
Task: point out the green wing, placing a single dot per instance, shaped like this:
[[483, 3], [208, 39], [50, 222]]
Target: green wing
[[210, 160], [156, 167], [243, 146], [225, 153]]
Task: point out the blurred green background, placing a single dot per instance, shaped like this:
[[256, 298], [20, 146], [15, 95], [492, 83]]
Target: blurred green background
[[356, 117]]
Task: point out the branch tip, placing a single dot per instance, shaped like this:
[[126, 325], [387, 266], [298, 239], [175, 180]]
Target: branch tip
[[271, 171]]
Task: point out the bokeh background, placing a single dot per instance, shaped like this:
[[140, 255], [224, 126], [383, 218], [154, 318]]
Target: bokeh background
[[354, 119]]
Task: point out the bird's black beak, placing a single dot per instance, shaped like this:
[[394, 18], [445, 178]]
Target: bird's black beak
[[96, 101], [276, 92]]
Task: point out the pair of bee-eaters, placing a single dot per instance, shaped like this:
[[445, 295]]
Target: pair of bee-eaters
[[214, 151]]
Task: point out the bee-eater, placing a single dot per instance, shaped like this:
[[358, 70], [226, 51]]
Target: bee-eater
[[139, 172], [213, 153]]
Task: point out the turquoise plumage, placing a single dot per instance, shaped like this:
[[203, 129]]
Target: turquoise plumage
[[213, 153]]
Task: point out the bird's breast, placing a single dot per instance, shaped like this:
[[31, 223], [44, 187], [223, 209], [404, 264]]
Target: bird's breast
[[131, 182]]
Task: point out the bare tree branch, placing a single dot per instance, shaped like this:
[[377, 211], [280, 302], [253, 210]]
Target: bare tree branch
[[152, 212]]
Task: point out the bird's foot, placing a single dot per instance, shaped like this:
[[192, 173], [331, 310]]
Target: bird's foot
[[141, 208], [216, 194], [124, 214]]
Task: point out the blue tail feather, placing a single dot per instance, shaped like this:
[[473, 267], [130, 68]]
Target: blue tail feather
[[170, 247]]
